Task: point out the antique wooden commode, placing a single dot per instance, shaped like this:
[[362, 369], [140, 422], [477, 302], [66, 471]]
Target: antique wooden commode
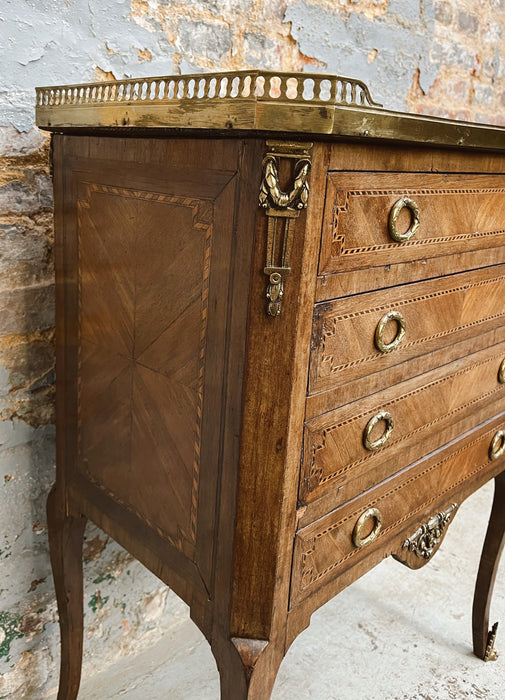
[[263, 390]]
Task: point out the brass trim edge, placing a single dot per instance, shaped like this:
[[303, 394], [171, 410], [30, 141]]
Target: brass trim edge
[[264, 101], [253, 85], [491, 654]]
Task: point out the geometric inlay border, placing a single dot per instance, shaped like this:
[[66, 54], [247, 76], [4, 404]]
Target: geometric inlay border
[[88, 188], [337, 249], [308, 576], [332, 330], [316, 478]]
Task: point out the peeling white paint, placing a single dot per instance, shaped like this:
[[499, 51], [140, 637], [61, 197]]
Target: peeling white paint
[[62, 42], [25, 678], [401, 38], [14, 143]]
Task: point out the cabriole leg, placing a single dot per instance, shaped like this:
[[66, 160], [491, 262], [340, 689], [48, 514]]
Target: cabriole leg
[[66, 533], [483, 638], [247, 668]]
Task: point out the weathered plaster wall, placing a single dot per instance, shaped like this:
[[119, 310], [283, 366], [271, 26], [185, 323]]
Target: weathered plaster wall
[[445, 57]]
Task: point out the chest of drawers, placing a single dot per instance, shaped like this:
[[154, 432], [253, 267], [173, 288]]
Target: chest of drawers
[[280, 346]]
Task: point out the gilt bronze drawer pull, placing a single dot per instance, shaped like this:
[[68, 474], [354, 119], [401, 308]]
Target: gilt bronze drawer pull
[[501, 372], [497, 446], [393, 218], [371, 513], [367, 435], [381, 326]]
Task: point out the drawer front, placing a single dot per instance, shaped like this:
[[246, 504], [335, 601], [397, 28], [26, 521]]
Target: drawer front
[[351, 448], [325, 548], [365, 211], [360, 336]]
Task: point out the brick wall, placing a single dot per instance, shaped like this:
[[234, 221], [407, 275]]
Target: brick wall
[[445, 57], [469, 48]]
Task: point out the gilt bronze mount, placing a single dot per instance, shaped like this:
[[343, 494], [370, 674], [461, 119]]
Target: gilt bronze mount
[[427, 538], [282, 210]]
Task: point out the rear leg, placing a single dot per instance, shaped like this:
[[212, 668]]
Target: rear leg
[[66, 534]]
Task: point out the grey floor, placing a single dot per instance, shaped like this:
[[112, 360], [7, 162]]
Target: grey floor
[[394, 635]]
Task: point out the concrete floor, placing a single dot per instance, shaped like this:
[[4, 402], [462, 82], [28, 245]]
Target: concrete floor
[[394, 635]]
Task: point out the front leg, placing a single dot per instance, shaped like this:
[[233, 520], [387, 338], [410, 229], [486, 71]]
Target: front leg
[[483, 638], [66, 533], [247, 667]]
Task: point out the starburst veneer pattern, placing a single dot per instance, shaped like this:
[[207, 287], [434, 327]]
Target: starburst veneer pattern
[[260, 456], [140, 389]]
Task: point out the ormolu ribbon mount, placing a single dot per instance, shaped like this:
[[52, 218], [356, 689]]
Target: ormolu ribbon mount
[[282, 209]]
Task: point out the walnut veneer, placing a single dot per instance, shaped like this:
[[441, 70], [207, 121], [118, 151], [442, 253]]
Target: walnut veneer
[[260, 454]]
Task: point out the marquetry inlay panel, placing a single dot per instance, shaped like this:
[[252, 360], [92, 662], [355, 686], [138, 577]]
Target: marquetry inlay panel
[[140, 390], [326, 547], [333, 444], [457, 212], [437, 314]]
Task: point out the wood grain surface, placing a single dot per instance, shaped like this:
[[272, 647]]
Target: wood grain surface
[[224, 448], [325, 547], [456, 212], [437, 314]]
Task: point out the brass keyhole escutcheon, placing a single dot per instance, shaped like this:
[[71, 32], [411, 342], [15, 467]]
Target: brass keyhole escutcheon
[[497, 446], [501, 372], [393, 219], [388, 419], [391, 316], [370, 514]]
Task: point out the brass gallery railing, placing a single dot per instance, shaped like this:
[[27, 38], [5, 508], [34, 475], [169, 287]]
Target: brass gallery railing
[[244, 85], [251, 100]]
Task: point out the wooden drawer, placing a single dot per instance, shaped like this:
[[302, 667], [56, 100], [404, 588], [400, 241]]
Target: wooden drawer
[[425, 412], [437, 313], [460, 216], [456, 213], [325, 548]]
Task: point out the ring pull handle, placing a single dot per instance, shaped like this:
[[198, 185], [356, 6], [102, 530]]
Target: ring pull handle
[[371, 513], [501, 372], [497, 446], [393, 218], [381, 326], [381, 441]]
